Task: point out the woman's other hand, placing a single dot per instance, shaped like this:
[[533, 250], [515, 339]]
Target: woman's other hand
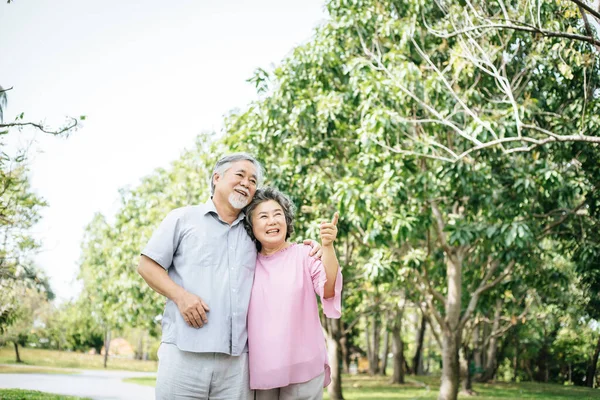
[[329, 231]]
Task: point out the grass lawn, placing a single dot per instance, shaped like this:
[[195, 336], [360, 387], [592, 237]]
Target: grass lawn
[[18, 369], [364, 387], [18, 394], [145, 380], [377, 388], [65, 359]]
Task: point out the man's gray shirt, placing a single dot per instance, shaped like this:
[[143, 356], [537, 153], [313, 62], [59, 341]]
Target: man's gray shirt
[[215, 261]]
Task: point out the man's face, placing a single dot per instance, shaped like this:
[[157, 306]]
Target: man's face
[[237, 185]]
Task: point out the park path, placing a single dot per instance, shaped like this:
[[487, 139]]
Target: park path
[[95, 384]]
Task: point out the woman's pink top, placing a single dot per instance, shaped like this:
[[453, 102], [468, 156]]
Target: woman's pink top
[[285, 339]]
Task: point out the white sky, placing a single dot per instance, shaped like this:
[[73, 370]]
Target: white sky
[[148, 75]]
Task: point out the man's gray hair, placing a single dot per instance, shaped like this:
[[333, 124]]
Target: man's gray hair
[[266, 194], [225, 163]]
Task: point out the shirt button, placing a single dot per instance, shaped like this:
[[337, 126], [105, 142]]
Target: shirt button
[[233, 290]]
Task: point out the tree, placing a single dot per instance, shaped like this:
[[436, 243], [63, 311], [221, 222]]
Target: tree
[[73, 326], [442, 150], [467, 55], [19, 211], [29, 305], [361, 92]]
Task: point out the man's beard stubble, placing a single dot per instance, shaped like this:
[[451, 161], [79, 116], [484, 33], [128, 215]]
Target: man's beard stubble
[[238, 201]]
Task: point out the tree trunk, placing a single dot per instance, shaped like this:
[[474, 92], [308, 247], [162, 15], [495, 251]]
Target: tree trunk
[[543, 357], [477, 359], [484, 343], [490, 367], [465, 370], [452, 335], [106, 346], [450, 365], [17, 356], [397, 349], [147, 348], [418, 358], [333, 329], [139, 354], [406, 366], [374, 361], [385, 351], [527, 368], [368, 340], [516, 358], [591, 370], [345, 354], [428, 362]]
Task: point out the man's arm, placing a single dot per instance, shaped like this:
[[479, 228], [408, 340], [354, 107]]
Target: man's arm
[[192, 308]]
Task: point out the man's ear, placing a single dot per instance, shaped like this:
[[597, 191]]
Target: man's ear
[[215, 178]]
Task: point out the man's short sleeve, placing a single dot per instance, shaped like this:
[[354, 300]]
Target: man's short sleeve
[[164, 241]]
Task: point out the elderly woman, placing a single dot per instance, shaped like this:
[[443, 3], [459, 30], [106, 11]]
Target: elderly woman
[[287, 354]]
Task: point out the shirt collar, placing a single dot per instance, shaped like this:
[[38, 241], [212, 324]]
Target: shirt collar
[[209, 207]]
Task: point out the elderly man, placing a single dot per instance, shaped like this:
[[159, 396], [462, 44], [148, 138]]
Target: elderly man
[[203, 261]]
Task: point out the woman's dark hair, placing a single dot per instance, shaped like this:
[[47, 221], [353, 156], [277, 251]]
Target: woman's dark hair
[[266, 194]]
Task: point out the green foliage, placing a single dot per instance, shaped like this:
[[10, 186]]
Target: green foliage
[[73, 327], [29, 310], [20, 210], [431, 138], [18, 394]]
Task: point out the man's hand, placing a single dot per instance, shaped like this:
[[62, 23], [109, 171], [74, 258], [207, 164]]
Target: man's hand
[[193, 309], [316, 250], [329, 231]]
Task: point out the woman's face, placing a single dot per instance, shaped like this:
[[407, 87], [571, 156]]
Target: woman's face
[[268, 223]]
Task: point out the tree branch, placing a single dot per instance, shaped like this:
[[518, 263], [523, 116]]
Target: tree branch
[[452, 92], [535, 143], [587, 8], [426, 282], [433, 331], [586, 23], [562, 219], [522, 28], [374, 307], [440, 225], [412, 153], [381, 67], [506, 328], [483, 286], [73, 123]]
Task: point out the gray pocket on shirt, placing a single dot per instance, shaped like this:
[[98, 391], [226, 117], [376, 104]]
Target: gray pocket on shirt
[[202, 252]]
